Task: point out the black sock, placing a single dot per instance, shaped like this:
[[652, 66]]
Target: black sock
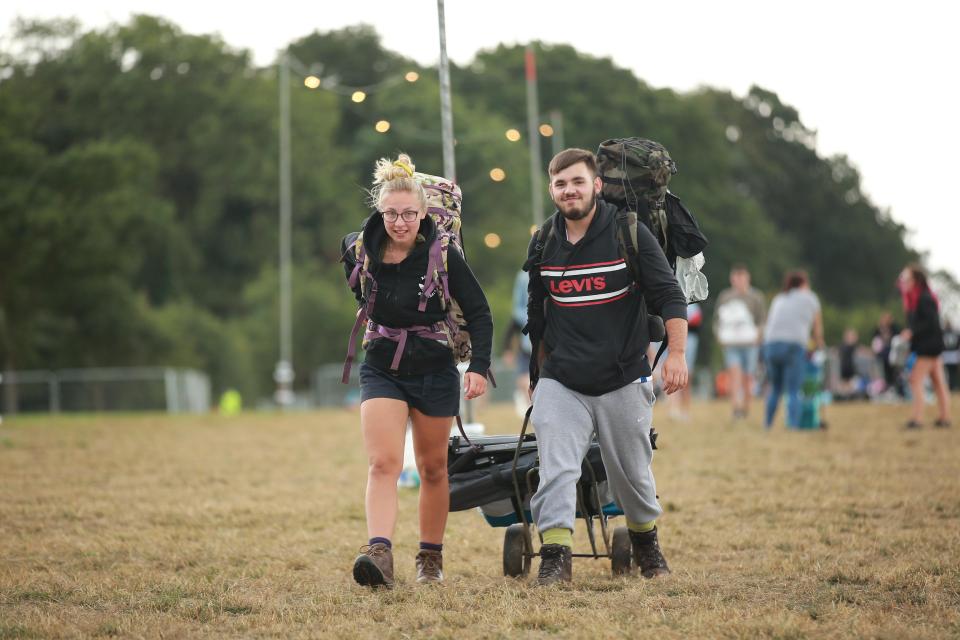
[[429, 546], [381, 541]]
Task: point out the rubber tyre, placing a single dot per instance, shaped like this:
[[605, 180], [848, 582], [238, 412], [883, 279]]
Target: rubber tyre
[[515, 565]]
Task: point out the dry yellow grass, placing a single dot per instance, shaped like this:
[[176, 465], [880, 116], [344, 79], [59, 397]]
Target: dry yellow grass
[[149, 526]]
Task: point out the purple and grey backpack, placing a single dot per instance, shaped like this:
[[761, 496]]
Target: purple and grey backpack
[[443, 205]]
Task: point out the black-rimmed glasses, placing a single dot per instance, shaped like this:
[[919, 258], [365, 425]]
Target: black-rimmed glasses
[[408, 215]]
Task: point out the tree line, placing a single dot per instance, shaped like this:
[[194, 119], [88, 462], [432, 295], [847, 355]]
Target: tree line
[[139, 173]]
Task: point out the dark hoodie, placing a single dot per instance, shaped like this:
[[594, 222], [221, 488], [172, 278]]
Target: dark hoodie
[[591, 315], [924, 323], [398, 295]]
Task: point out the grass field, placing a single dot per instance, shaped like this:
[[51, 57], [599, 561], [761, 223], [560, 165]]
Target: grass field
[[198, 527]]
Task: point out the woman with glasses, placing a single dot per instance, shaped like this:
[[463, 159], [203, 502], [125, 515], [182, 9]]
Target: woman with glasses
[[421, 382]]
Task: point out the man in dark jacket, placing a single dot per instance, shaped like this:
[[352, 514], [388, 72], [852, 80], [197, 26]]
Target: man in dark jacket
[[588, 321]]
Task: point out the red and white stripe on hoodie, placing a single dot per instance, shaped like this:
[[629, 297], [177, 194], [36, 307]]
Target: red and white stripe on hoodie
[[582, 285]]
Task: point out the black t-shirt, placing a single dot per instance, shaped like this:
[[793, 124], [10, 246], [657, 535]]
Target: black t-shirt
[[924, 323]]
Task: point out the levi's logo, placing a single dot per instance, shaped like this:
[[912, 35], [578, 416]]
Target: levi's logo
[[585, 285], [578, 285]]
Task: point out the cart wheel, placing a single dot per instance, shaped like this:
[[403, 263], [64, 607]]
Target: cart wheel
[[621, 552], [515, 564]]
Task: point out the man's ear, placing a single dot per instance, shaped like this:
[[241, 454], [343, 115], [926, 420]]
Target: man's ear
[[597, 185]]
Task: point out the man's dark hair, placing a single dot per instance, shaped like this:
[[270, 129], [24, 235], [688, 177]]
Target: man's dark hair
[[738, 266], [570, 157]]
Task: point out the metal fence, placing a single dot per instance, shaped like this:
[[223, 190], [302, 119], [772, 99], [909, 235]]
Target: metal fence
[[105, 389]]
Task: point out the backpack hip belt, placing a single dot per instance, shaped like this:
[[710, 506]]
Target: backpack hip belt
[[437, 276], [374, 331]]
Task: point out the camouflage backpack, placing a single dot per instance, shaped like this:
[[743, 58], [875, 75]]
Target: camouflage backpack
[[635, 174], [443, 206]]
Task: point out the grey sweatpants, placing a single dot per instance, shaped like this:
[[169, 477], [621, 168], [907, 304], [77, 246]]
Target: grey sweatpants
[[565, 422]]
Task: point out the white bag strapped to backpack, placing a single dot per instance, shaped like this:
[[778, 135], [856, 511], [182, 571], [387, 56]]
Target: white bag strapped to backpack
[[693, 282]]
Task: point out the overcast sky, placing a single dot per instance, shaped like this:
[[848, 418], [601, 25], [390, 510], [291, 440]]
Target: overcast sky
[[876, 80]]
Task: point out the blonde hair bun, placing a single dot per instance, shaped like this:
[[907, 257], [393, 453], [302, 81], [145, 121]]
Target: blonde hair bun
[[395, 175], [388, 170]]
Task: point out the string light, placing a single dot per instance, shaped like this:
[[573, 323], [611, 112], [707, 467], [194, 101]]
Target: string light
[[497, 174], [492, 240], [313, 79], [332, 83]]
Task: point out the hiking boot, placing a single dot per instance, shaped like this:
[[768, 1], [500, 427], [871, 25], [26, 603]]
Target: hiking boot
[[429, 566], [374, 566], [556, 564], [647, 555]]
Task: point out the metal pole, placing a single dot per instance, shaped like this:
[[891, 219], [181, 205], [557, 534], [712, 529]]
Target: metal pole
[[283, 374], [54, 383], [533, 109], [556, 120], [446, 110], [449, 160]]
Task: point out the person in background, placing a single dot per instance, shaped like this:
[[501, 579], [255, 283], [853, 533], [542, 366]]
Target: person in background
[[516, 344], [926, 342], [851, 385], [882, 337], [738, 322], [951, 355], [794, 313]]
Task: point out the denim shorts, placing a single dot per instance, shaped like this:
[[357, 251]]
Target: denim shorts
[[433, 394], [746, 358]]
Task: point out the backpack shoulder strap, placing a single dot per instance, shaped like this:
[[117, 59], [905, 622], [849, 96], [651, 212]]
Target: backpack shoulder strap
[[544, 235], [361, 264], [629, 243], [626, 223], [436, 276]]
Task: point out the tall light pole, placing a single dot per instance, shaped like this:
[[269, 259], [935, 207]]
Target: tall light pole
[[446, 109], [556, 140], [533, 109], [283, 374], [446, 124]]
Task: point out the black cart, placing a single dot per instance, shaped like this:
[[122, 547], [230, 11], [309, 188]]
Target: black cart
[[499, 474]]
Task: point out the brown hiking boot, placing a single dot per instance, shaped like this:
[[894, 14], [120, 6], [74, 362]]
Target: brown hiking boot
[[556, 564], [646, 553], [374, 566], [429, 566]]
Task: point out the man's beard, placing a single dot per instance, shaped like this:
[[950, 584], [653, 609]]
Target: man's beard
[[578, 213]]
